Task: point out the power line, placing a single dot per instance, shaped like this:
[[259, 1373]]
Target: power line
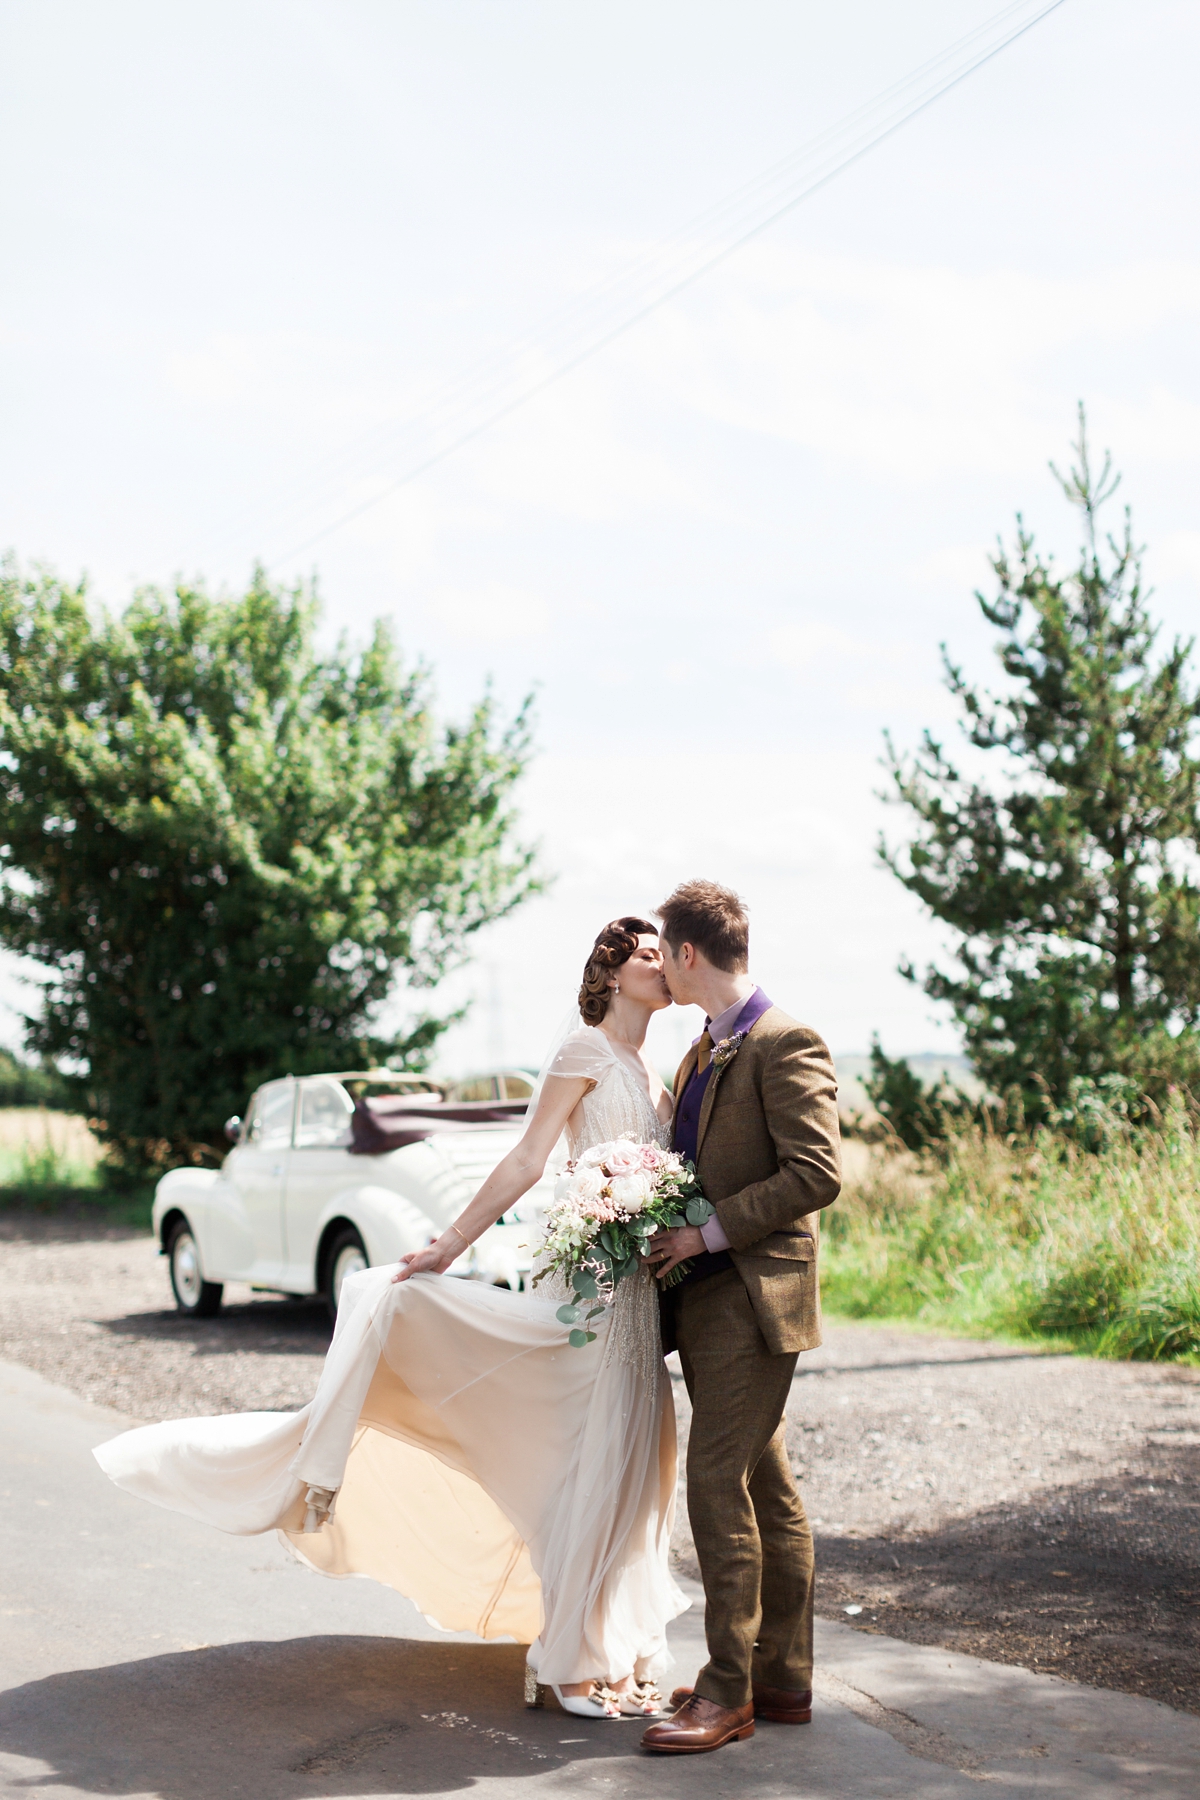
[[468, 390], [606, 335]]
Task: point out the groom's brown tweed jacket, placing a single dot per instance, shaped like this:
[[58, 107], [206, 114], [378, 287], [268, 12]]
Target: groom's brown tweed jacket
[[768, 1156]]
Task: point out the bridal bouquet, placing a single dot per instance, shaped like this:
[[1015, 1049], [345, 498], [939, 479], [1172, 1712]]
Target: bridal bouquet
[[606, 1208]]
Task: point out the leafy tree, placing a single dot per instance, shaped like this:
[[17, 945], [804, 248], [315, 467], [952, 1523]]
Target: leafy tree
[[223, 845], [34, 1084], [1068, 869]]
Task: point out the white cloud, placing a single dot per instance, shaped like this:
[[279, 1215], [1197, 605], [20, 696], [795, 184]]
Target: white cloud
[[493, 614], [891, 368], [812, 642], [962, 567], [1176, 557]]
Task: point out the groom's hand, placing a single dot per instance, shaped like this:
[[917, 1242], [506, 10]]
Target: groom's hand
[[670, 1247]]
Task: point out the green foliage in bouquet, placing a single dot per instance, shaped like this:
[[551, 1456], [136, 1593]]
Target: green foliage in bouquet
[[597, 1239]]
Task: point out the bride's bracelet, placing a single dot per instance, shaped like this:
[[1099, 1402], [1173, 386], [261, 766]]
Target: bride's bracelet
[[466, 1242]]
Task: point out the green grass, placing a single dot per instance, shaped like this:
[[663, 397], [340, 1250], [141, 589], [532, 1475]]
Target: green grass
[[1034, 1238], [44, 1169]]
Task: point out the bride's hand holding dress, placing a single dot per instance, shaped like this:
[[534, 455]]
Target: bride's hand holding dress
[[512, 1178]]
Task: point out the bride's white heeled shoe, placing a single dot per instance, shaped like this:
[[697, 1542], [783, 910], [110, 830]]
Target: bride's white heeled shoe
[[643, 1701], [599, 1704]]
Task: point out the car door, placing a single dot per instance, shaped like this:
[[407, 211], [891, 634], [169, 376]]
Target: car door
[[258, 1171], [318, 1167]]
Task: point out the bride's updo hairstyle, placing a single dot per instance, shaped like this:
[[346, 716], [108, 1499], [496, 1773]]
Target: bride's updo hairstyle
[[614, 946]]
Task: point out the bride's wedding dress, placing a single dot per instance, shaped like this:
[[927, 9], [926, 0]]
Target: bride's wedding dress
[[509, 1484]]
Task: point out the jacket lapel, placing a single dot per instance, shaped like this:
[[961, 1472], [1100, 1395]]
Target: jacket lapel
[[706, 1106], [762, 1006]]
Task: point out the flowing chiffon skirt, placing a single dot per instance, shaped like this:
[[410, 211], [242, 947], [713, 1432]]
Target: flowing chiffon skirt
[[508, 1484]]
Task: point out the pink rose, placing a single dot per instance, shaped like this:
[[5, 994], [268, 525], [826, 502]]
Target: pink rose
[[624, 1159]]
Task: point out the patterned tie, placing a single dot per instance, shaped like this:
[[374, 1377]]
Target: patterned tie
[[703, 1051]]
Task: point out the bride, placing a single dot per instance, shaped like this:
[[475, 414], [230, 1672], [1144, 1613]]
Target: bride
[[457, 1447]]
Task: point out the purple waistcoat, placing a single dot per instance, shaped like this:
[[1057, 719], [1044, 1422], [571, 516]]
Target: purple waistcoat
[[687, 1128]]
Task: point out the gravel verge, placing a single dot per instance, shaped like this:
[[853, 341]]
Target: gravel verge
[[1028, 1508]]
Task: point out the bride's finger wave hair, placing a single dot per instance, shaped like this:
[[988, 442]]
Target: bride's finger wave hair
[[613, 946]]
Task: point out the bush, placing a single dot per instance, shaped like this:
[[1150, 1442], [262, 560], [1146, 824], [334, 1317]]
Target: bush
[[33, 1084], [1031, 1234], [1162, 1320], [916, 1114]]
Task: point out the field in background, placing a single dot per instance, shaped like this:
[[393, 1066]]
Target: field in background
[[1095, 1250], [50, 1162], [931, 1067], [40, 1147]]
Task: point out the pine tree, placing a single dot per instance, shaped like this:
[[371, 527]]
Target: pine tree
[[1067, 867]]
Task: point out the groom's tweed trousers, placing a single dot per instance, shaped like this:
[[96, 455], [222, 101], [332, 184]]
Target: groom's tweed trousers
[[752, 1538], [768, 1159]]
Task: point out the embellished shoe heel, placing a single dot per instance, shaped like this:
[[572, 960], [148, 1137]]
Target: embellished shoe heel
[[318, 1507], [535, 1693]]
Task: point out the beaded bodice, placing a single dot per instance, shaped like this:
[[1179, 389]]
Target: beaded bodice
[[618, 1106]]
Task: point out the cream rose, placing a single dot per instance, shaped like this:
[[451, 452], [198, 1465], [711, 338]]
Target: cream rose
[[632, 1192]]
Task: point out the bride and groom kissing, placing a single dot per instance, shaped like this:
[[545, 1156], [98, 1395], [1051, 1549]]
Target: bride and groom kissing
[[458, 1449]]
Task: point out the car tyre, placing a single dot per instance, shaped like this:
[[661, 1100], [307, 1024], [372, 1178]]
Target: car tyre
[[193, 1295], [346, 1255]]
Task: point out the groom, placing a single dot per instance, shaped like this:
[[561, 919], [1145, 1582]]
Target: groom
[[756, 1111]]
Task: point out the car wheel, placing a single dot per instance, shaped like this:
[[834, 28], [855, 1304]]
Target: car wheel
[[192, 1293], [347, 1255]]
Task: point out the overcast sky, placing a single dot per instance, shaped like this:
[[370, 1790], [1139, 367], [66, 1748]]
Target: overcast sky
[[243, 241]]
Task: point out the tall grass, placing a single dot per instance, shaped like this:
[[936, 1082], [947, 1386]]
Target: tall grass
[[51, 1163], [1032, 1236]]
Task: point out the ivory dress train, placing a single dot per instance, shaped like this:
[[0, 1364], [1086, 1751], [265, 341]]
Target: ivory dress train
[[506, 1483]]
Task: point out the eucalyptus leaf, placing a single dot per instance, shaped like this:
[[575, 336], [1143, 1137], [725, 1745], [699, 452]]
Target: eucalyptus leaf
[[585, 1285], [567, 1314], [579, 1338]]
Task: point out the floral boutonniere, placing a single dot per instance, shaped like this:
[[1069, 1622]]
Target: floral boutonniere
[[726, 1050]]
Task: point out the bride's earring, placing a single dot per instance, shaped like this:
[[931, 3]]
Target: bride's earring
[[616, 988]]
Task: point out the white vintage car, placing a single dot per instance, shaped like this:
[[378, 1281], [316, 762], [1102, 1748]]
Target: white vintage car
[[330, 1174]]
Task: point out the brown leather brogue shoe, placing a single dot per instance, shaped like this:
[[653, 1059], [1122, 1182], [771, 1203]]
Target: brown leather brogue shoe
[[783, 1706], [700, 1725]]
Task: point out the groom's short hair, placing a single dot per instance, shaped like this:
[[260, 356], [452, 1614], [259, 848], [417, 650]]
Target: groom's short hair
[[713, 919]]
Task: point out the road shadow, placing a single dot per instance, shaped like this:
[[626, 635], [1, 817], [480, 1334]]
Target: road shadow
[[923, 1362], [1098, 1581], [78, 1224], [297, 1719], [270, 1325]]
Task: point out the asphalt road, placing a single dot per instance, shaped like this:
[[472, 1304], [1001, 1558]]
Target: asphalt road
[[1042, 1511], [143, 1655]]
